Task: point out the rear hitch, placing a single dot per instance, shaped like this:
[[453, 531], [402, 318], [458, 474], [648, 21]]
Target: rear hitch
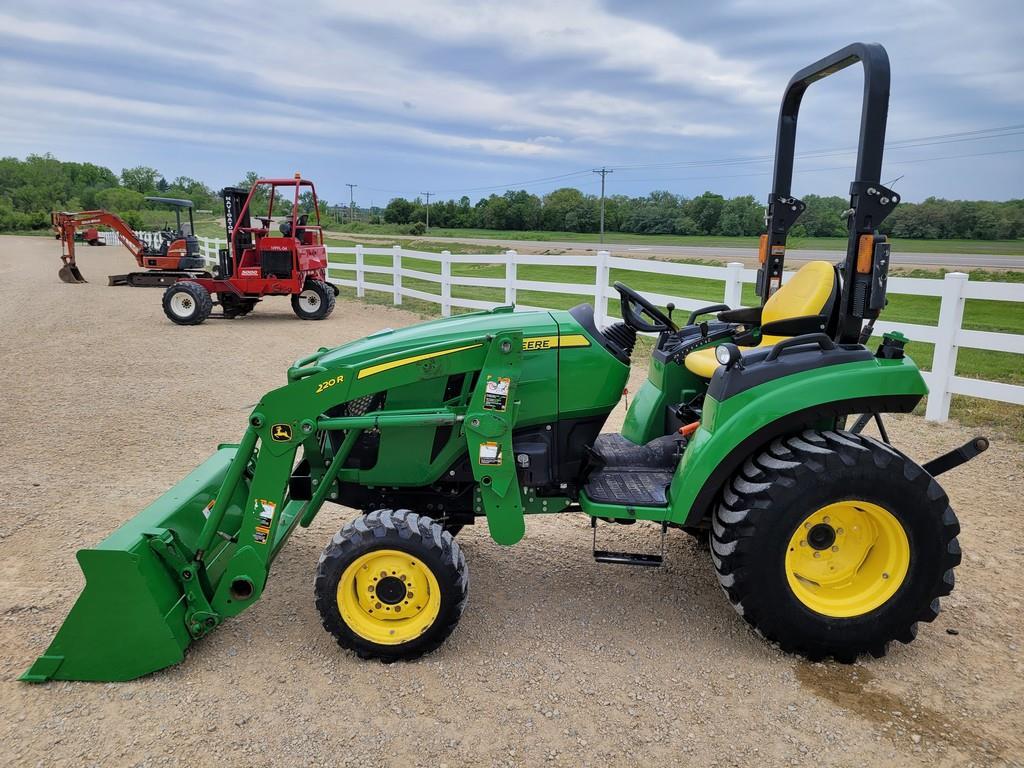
[[957, 456]]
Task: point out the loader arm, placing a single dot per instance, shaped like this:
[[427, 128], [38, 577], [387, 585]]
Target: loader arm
[[202, 552]]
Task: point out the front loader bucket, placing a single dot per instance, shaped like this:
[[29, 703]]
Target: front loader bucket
[[130, 618], [70, 273]]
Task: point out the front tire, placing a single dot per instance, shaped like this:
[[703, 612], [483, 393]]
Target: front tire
[[187, 303], [834, 544], [316, 302], [391, 585]]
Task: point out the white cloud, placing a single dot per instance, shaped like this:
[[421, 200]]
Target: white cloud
[[487, 85]]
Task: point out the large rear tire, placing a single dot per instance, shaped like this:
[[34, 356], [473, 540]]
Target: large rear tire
[[316, 302], [391, 585], [834, 544], [187, 303]]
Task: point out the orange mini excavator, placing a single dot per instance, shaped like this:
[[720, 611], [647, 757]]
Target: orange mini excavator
[[175, 256]]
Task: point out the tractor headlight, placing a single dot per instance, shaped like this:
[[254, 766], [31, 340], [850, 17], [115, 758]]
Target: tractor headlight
[[727, 354]]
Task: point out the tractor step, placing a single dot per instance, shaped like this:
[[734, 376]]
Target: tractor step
[[649, 560], [628, 558], [629, 486]]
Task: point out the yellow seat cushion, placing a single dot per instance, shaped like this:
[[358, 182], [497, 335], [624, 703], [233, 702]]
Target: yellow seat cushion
[[806, 293]]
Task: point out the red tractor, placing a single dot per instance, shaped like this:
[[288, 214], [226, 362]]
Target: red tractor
[[258, 262]]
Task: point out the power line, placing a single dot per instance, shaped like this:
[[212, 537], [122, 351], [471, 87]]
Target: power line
[[817, 170], [920, 141], [978, 134]]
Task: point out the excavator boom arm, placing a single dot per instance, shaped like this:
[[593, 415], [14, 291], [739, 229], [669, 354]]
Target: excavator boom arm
[[66, 224]]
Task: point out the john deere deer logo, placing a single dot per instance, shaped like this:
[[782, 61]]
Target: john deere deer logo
[[281, 433]]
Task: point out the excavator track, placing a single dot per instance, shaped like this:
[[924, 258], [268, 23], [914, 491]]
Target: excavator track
[[154, 278]]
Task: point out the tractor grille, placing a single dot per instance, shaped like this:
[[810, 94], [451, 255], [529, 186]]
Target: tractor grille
[[363, 405], [364, 452]]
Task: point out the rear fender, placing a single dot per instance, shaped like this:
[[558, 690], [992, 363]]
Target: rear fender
[[738, 426]]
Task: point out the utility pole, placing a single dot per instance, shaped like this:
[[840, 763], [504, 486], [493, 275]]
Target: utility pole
[[427, 195], [604, 172], [351, 209]]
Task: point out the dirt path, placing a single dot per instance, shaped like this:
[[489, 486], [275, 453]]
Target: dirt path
[[557, 660]]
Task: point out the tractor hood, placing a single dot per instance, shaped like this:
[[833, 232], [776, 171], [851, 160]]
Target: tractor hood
[[433, 333]]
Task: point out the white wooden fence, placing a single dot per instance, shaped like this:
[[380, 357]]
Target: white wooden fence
[[948, 335]]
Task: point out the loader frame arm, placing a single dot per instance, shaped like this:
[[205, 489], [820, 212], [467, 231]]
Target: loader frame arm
[[240, 549]]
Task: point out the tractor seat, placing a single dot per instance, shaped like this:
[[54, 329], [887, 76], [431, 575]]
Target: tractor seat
[[811, 291]]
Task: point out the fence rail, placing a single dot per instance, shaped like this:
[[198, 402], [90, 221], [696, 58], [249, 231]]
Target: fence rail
[[948, 335]]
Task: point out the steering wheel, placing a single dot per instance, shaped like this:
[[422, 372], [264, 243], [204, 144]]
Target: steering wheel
[[635, 307]]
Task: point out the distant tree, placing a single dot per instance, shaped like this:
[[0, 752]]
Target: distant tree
[[706, 210], [120, 200], [162, 185], [141, 178], [568, 209], [741, 216], [398, 211], [823, 217]]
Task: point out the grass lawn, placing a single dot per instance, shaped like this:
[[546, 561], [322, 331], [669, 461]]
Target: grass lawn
[[998, 247]]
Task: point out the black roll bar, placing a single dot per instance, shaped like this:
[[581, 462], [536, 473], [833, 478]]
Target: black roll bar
[[870, 202], [873, 114]]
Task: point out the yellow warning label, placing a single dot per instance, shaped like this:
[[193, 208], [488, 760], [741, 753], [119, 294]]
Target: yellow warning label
[[535, 343]]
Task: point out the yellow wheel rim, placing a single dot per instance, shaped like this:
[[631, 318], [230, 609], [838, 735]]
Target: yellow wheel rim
[[847, 559], [388, 597]]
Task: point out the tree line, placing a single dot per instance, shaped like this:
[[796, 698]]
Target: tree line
[[570, 210], [31, 188]]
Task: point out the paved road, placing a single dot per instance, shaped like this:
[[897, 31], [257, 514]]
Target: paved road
[[746, 255]]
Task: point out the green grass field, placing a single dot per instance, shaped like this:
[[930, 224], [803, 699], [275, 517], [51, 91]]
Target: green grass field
[[998, 247], [1006, 317]]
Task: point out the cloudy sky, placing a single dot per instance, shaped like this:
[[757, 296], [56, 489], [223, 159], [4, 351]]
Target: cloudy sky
[[469, 98]]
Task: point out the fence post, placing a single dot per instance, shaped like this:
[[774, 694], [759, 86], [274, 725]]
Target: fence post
[[734, 284], [446, 284], [360, 275], [601, 289], [951, 315], [510, 277], [396, 265]]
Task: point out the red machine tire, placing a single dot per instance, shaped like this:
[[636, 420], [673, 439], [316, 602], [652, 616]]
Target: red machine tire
[[316, 302], [187, 303]]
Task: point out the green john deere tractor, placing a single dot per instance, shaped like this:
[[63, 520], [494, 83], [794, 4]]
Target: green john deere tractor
[[828, 542]]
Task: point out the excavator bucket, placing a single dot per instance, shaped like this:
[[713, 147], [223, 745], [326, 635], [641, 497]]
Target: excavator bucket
[[69, 273], [130, 618]]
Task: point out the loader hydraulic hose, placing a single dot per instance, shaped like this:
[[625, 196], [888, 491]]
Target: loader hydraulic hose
[[227, 490]]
